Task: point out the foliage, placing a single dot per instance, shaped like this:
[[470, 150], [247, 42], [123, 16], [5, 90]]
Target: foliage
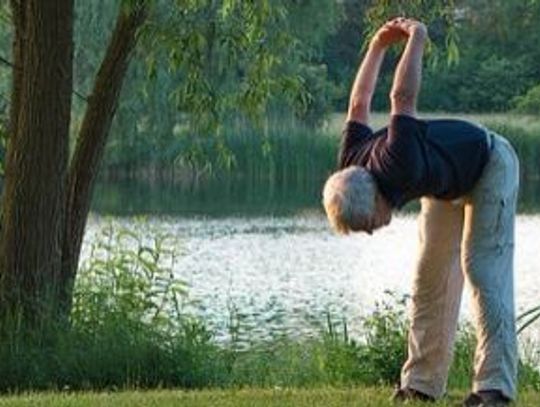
[[200, 62], [473, 86], [361, 18], [497, 58], [283, 151], [308, 58], [130, 278], [226, 53], [208, 62], [438, 15], [529, 103], [526, 144], [128, 325], [385, 341]]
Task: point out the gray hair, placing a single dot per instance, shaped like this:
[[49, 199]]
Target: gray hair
[[349, 198]]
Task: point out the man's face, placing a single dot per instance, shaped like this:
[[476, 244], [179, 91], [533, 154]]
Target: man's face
[[381, 217]]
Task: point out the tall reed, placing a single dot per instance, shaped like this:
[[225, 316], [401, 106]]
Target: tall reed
[[282, 158]]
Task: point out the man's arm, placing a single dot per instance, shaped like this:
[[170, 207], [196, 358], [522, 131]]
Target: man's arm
[[366, 78], [408, 75], [364, 84]]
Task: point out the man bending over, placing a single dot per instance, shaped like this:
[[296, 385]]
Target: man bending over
[[467, 178]]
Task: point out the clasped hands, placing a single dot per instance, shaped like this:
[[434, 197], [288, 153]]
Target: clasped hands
[[397, 30]]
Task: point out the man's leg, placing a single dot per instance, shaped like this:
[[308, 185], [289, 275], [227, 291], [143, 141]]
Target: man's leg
[[436, 298], [488, 248]]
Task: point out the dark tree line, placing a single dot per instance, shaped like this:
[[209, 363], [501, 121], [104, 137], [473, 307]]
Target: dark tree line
[[495, 69]]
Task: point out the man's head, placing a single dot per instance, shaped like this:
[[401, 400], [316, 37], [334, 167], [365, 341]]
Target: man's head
[[353, 203]]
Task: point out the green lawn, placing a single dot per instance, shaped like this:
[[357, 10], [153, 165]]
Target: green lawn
[[330, 397]]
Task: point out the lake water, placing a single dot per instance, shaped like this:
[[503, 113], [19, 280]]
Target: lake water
[[284, 273]]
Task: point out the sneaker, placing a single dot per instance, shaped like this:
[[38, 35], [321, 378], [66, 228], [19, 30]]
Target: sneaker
[[408, 394], [487, 398]]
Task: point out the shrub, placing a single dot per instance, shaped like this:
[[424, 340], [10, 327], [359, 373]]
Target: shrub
[[529, 103], [128, 326]]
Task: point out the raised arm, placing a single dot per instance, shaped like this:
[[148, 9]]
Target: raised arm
[[368, 73], [408, 75]]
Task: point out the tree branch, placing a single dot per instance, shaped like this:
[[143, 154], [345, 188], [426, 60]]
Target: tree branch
[[102, 105]]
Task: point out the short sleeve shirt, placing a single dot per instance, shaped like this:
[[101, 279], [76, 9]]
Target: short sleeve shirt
[[412, 158]]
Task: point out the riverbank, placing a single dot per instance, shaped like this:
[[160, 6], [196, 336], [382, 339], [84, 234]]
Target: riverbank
[[319, 397]]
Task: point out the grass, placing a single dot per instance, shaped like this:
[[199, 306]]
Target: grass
[[323, 397]]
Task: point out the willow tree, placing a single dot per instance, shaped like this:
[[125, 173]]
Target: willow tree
[[47, 192], [34, 193]]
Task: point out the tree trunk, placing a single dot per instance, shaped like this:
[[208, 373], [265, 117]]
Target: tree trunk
[[19, 22], [94, 131], [37, 155], [44, 205]]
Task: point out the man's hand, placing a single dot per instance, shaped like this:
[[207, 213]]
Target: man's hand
[[408, 26], [390, 33], [397, 30]]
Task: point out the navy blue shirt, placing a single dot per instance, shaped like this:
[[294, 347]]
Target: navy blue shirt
[[412, 158]]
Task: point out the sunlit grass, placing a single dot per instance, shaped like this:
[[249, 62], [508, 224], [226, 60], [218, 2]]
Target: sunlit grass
[[323, 397]]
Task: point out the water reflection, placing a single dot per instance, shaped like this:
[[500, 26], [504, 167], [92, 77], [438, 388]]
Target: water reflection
[[264, 251], [235, 196], [279, 274]]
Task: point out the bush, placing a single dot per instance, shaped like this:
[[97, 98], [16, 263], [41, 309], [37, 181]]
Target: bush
[[128, 326], [527, 145], [479, 83], [385, 347], [529, 103]]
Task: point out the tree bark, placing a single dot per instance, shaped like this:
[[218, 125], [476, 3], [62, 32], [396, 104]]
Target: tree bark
[[37, 154], [19, 22], [102, 105]]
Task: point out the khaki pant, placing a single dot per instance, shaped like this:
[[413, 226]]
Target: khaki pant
[[472, 239]]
